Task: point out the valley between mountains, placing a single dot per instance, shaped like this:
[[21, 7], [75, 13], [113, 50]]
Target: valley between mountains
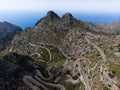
[[62, 53]]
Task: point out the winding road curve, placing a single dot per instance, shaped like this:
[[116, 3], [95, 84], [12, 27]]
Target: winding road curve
[[36, 53], [33, 84], [44, 78], [102, 55], [36, 84], [82, 76], [56, 47], [39, 80], [71, 80], [99, 49], [38, 45], [61, 87], [77, 65]]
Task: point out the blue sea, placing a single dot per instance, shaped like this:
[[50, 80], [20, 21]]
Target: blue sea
[[28, 19]]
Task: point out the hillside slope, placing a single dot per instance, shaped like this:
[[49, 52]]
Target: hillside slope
[[75, 56], [7, 32]]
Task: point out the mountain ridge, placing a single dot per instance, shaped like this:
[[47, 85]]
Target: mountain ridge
[[74, 54], [7, 32]]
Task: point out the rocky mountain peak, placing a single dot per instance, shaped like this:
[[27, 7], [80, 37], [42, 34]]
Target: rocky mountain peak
[[67, 15], [48, 19], [69, 21], [52, 14], [53, 22]]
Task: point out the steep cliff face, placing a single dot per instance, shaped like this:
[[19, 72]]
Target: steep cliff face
[[7, 32]]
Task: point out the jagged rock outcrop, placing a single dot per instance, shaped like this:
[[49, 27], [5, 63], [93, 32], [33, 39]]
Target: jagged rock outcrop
[[48, 19], [7, 32]]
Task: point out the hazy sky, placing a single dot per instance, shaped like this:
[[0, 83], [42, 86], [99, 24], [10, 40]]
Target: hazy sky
[[108, 6], [27, 12]]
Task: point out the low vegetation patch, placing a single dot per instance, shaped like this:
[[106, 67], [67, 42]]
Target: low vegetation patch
[[115, 69]]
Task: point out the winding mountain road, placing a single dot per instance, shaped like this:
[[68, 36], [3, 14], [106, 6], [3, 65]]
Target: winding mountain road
[[71, 80], [102, 55], [56, 47], [37, 83], [99, 49], [44, 78], [33, 84], [38, 45], [36, 53], [61, 87], [82, 76]]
